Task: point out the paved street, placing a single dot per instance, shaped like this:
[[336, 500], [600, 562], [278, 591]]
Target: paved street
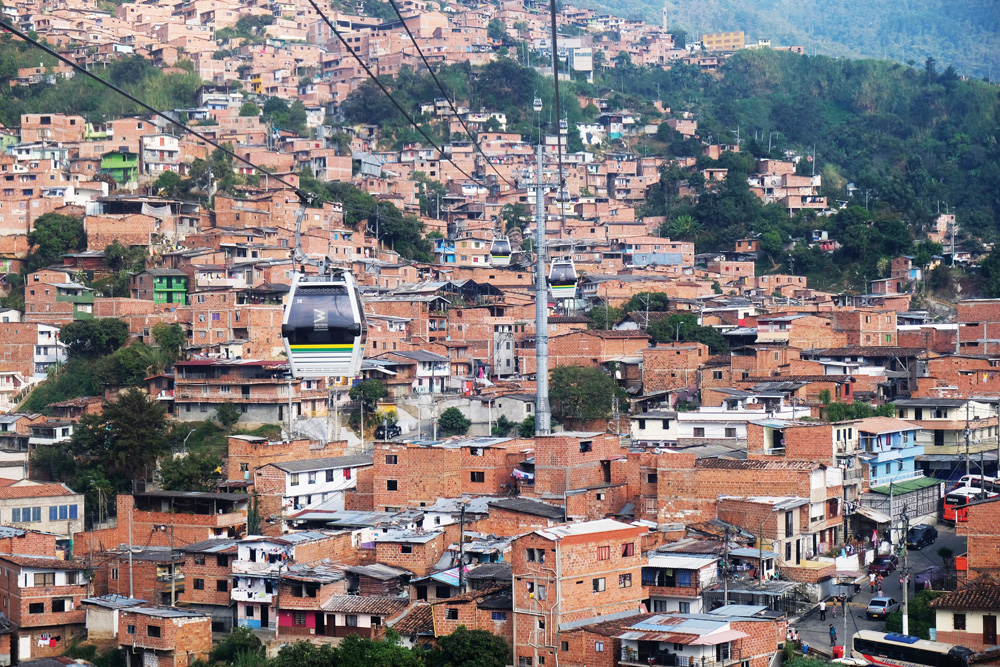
[[817, 633]]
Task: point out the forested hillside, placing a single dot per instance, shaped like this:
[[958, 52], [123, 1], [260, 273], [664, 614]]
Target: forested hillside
[[965, 34]]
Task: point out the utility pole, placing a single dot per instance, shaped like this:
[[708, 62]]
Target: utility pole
[[966, 435], [905, 520], [173, 572], [843, 486], [130, 591], [542, 414], [725, 567], [461, 548]]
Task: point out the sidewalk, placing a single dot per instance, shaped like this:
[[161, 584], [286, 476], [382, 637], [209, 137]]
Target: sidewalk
[[817, 633]]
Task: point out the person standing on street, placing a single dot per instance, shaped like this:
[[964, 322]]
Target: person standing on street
[[871, 581], [833, 635], [822, 610]]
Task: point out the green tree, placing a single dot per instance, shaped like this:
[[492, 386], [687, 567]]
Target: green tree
[[526, 429], [356, 651], [838, 412], [249, 108], [604, 317], [54, 235], [921, 617], [684, 227], [191, 472], [228, 414], [305, 654], [643, 301], [239, 641], [497, 29], [502, 427], [581, 393], [93, 338], [369, 392], [127, 259], [453, 422], [469, 648], [168, 184], [515, 215], [685, 327], [170, 338], [124, 441]]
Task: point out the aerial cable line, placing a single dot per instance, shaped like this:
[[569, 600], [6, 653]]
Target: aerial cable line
[[445, 93], [304, 195], [385, 91], [132, 98], [555, 79]]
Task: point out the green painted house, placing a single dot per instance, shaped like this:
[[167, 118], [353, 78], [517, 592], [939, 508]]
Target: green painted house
[[161, 286], [123, 166]]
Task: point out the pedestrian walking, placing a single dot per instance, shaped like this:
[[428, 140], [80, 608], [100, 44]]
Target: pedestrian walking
[[833, 635], [834, 605], [871, 581], [880, 593], [822, 610]]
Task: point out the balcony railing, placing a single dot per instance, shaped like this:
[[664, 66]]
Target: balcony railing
[[667, 659]]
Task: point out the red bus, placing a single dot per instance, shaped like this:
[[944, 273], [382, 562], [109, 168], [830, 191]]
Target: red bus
[[955, 503]]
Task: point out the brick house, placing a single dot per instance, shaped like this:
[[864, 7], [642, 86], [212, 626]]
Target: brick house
[[300, 485], [595, 644], [571, 573], [156, 573], [164, 636], [190, 517], [260, 564], [416, 551], [301, 593], [487, 609], [359, 615], [42, 598], [968, 616], [583, 471], [726, 636], [53, 508], [982, 529], [410, 474], [208, 574], [674, 582]]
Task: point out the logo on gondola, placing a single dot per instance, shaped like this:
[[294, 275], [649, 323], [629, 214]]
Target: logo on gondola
[[319, 319]]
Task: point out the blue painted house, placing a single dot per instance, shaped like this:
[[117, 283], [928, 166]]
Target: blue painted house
[[890, 450], [445, 251]]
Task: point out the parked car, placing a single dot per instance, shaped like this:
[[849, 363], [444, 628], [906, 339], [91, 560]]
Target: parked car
[[883, 564], [919, 537], [881, 607], [388, 432]]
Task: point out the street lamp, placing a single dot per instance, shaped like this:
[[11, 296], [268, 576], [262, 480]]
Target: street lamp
[[185, 442]]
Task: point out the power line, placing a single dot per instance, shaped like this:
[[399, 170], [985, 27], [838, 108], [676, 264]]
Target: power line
[[555, 81], [135, 100], [445, 93], [301, 193], [385, 91]]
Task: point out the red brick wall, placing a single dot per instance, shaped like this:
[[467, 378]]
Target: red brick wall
[[983, 533], [422, 559], [189, 639]]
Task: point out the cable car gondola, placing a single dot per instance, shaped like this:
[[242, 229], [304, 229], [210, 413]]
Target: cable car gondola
[[500, 251], [537, 105], [562, 279], [324, 327]]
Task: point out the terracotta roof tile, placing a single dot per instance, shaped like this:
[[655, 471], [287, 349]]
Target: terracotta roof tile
[[419, 620], [44, 563], [738, 464], [35, 491], [980, 593], [364, 604]]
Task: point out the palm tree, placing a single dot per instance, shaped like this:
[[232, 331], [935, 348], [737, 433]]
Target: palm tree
[[684, 227]]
